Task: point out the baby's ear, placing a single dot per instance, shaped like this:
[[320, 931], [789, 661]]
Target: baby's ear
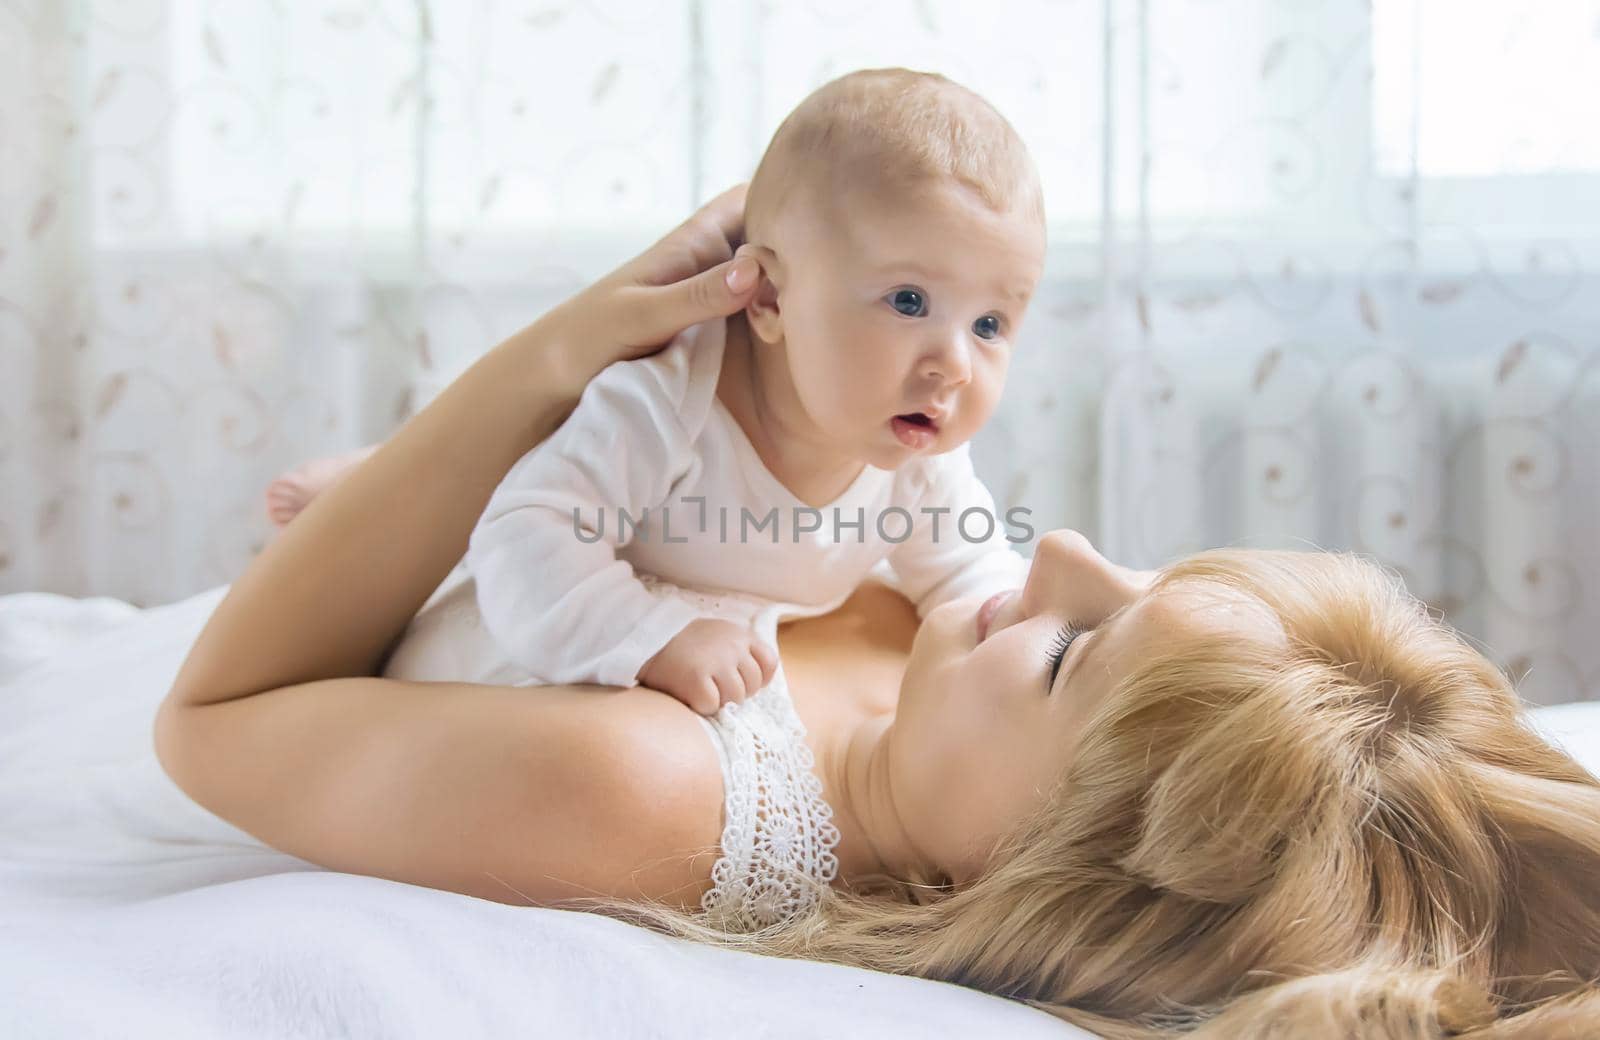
[[763, 312]]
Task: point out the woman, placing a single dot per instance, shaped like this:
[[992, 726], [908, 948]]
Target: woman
[[1265, 794]]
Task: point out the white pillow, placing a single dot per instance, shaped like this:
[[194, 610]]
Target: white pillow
[[1576, 727]]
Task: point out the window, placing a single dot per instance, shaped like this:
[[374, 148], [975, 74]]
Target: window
[[1485, 90]]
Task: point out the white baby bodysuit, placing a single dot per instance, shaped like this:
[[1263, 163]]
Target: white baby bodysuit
[[554, 559]]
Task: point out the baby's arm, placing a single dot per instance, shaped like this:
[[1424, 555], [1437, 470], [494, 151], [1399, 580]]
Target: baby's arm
[[937, 563], [550, 587]]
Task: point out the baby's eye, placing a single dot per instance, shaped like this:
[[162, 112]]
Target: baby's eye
[[987, 327], [909, 302]]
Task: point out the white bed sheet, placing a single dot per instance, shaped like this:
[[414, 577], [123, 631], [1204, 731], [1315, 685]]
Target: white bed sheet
[[126, 910]]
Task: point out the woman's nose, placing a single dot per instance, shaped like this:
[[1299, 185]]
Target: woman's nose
[[1070, 577]]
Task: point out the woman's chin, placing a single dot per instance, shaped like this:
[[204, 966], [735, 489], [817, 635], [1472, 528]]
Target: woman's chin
[[948, 632], [951, 627]]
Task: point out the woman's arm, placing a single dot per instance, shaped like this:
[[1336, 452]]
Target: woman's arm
[[329, 596], [275, 723]]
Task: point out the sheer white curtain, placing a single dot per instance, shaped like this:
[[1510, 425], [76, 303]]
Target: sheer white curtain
[[1357, 306], [1320, 271]]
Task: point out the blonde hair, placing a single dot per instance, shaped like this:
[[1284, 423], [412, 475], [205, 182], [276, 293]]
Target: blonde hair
[[1345, 828], [886, 128]]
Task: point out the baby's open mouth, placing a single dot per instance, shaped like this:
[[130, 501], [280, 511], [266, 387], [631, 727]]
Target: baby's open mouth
[[916, 430]]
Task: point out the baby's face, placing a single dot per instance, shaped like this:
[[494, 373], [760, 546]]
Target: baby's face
[[900, 314]]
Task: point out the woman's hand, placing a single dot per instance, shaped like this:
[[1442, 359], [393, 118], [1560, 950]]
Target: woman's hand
[[691, 275]]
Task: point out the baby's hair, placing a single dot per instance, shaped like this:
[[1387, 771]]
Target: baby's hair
[[887, 129]]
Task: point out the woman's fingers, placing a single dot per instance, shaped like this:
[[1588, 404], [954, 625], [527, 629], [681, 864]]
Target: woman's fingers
[[691, 275], [707, 238], [710, 236], [726, 214], [651, 315]]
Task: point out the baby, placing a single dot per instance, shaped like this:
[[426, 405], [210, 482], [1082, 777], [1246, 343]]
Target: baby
[[789, 450]]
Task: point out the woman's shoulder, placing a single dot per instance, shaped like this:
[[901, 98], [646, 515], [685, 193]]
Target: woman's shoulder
[[646, 733], [651, 793]]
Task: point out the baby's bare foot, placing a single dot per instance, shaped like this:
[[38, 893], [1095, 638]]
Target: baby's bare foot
[[295, 489]]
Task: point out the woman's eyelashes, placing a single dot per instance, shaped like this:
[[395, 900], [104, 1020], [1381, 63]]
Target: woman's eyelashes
[[913, 303], [1065, 637]]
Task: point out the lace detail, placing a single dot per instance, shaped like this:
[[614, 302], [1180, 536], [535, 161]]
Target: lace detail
[[736, 606], [778, 836], [778, 833]]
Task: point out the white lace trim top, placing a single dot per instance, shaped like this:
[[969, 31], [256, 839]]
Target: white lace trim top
[[778, 833]]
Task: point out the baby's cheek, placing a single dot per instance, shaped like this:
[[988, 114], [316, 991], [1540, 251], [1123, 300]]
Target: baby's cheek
[[966, 426], [984, 407], [845, 375]]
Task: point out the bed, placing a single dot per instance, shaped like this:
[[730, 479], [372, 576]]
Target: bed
[[128, 911]]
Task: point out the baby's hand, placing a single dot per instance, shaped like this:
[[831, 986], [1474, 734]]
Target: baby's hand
[[711, 663]]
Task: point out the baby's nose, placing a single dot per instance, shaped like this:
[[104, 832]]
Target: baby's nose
[[949, 362]]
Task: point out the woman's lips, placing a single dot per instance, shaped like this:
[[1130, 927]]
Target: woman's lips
[[987, 612]]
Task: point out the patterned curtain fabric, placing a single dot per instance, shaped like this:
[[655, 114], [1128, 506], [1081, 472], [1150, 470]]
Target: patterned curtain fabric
[[1322, 272]]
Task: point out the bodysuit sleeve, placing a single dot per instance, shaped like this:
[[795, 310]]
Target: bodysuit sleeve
[[957, 545], [551, 590]]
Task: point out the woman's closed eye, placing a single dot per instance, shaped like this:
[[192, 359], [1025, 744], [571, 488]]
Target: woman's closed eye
[[1057, 653]]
